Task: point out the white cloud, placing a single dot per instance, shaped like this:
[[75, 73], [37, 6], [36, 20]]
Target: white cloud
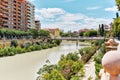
[[111, 9], [69, 0], [50, 12], [93, 8], [57, 17], [69, 17]]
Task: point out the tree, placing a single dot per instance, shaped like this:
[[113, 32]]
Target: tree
[[116, 28], [43, 33], [53, 75], [90, 33], [117, 15], [101, 30], [34, 32], [63, 34], [118, 4], [81, 33]]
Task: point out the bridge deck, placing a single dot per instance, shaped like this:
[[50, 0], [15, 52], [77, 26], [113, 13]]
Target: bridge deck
[[79, 38]]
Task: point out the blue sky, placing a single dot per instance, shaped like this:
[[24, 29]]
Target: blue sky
[[74, 14]]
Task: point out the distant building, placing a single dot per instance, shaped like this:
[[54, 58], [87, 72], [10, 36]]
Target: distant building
[[53, 32], [30, 15], [106, 27], [83, 30], [111, 26], [37, 24]]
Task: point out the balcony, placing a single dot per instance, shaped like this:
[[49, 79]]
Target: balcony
[[4, 4], [5, 1]]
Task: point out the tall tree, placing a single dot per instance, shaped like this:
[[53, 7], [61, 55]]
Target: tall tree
[[117, 15], [102, 30], [99, 30]]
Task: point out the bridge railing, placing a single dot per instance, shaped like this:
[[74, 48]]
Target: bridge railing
[[83, 38]]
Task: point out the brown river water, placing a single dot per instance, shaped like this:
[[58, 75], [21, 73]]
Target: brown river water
[[25, 66]]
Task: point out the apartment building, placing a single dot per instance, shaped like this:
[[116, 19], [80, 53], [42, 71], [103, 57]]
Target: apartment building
[[30, 15], [37, 24], [14, 14]]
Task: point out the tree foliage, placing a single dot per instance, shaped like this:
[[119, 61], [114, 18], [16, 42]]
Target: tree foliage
[[53, 75], [90, 33], [81, 33], [18, 33], [118, 4], [63, 34], [101, 30], [116, 28], [66, 68]]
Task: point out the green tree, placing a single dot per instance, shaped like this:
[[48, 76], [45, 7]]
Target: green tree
[[118, 4], [90, 33], [43, 33], [117, 15], [101, 30], [116, 28], [53, 75], [63, 34], [81, 33]]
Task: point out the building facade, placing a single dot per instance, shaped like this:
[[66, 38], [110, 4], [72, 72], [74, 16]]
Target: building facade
[[37, 24], [30, 15], [14, 14], [54, 32]]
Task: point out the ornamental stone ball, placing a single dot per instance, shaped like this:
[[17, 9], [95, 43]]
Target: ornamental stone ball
[[111, 64]]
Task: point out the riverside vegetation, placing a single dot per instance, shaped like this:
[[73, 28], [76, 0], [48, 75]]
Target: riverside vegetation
[[98, 59], [27, 47], [70, 67]]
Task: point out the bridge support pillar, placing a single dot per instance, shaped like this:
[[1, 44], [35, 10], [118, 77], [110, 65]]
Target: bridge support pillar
[[77, 42]]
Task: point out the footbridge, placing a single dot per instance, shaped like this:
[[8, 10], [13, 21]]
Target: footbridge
[[78, 38]]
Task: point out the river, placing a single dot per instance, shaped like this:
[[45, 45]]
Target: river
[[25, 66]]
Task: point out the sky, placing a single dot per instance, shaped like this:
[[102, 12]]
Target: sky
[[73, 15]]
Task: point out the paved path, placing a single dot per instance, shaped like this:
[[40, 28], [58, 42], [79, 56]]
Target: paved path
[[89, 70]]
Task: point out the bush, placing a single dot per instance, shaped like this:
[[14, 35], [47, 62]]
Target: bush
[[10, 54], [28, 50], [44, 46], [38, 43], [66, 69], [6, 52], [72, 56], [32, 48], [75, 78], [14, 43], [87, 53], [26, 45], [98, 42], [98, 59], [23, 50], [1, 52], [37, 47], [57, 42], [19, 50]]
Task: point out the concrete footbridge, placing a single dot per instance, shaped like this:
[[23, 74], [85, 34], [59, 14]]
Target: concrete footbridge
[[78, 38]]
